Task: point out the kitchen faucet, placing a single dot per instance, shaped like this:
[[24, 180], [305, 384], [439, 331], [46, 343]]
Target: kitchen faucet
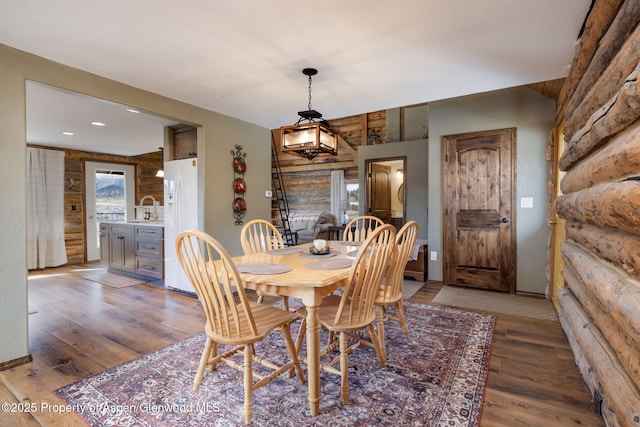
[[154, 204]]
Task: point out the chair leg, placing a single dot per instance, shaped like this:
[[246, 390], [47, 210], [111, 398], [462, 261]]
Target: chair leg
[[291, 347], [204, 359], [248, 383], [376, 344], [380, 324], [285, 303], [301, 335], [260, 297], [400, 313], [344, 367]]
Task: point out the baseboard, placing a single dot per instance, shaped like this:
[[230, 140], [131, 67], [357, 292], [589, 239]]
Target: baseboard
[[15, 362]]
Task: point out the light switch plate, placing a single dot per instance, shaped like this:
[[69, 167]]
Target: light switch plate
[[268, 193], [526, 202]]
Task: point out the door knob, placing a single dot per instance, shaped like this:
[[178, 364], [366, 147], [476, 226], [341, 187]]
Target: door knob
[[504, 220]]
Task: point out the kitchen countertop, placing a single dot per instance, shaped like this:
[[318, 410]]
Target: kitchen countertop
[[138, 222]]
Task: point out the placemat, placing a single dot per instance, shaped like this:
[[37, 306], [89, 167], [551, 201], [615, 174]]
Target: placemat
[[327, 255], [354, 253], [349, 243], [329, 264], [285, 251], [262, 268]]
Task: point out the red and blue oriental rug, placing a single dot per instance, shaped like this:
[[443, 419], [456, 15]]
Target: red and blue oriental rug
[[436, 377]]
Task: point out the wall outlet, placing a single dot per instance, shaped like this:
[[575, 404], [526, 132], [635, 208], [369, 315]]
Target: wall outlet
[[268, 193], [434, 256]]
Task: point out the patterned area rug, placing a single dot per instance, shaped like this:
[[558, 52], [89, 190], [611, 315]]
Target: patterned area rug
[[436, 377], [111, 279]]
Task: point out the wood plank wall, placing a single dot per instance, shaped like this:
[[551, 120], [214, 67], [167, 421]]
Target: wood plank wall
[[308, 183], [74, 191], [600, 201]]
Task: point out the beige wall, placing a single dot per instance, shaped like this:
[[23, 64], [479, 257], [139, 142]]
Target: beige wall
[[219, 135]]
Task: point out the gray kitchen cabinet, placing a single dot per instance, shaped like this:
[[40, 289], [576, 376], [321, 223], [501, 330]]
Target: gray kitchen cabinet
[[133, 249], [122, 247], [149, 251]]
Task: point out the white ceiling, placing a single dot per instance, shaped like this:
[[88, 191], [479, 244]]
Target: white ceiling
[[244, 58]]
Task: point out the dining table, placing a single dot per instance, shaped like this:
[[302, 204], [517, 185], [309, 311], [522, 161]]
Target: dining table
[[295, 272]]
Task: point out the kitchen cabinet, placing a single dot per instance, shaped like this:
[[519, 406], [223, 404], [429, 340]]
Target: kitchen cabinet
[[121, 247], [185, 143], [149, 251], [132, 248], [104, 243]]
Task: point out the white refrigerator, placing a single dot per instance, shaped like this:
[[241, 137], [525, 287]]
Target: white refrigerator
[[180, 213]]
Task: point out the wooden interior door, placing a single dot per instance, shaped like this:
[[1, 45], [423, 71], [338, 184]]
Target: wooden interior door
[[380, 191], [479, 219]]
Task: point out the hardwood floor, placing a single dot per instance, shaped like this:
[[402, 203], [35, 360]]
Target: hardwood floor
[[82, 328]]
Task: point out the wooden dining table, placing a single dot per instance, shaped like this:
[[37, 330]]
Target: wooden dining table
[[308, 277]]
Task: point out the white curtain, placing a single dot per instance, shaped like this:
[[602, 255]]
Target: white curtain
[[338, 194], [45, 208]]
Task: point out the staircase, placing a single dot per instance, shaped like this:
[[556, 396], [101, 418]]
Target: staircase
[[279, 197]]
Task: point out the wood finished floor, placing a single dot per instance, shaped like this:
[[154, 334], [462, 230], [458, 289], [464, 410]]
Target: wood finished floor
[[82, 328]]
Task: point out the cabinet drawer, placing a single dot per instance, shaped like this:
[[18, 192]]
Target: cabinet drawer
[[149, 232], [104, 228], [149, 267], [121, 229], [150, 248]]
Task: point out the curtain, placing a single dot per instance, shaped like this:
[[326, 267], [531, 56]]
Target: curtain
[[338, 195], [45, 208]]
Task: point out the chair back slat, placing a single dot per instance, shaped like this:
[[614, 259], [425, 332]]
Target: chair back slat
[[405, 239], [216, 280], [366, 275], [258, 236], [358, 229]]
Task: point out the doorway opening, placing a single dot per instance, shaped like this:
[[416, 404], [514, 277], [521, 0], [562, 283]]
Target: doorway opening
[[110, 195], [386, 183]]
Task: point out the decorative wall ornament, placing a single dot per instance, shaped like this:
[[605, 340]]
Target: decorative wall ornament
[[239, 184]]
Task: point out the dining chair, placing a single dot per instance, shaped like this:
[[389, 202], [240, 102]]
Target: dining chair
[[390, 290], [258, 236], [232, 319], [359, 228], [344, 315]]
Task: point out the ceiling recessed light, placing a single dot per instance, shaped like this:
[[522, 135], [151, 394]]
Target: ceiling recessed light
[[98, 124], [131, 110], [68, 133]]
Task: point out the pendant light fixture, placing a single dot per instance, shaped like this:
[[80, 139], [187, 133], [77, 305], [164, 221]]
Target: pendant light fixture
[[311, 138]]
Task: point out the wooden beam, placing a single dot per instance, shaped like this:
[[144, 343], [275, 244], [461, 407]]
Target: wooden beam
[[620, 248], [608, 205], [624, 348], [616, 161], [623, 24], [364, 125], [617, 114], [606, 86], [598, 21], [618, 389], [319, 166], [619, 295]]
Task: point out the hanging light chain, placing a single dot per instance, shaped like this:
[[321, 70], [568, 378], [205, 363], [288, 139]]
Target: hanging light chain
[[309, 106]]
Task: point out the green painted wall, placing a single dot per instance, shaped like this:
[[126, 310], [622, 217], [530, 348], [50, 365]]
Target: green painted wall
[[532, 115], [219, 135]]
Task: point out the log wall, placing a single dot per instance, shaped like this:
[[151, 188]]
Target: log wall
[[74, 191], [600, 201]]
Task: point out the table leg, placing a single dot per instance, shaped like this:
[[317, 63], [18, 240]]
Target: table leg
[[313, 359]]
